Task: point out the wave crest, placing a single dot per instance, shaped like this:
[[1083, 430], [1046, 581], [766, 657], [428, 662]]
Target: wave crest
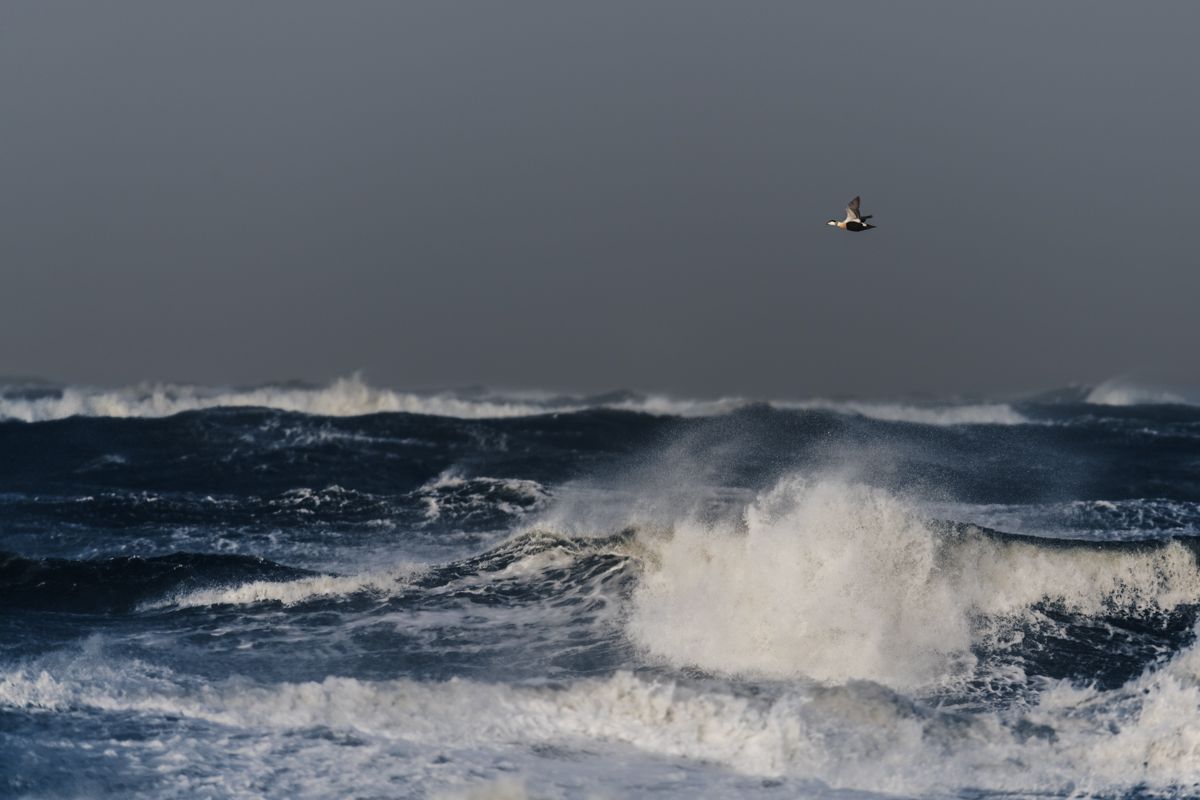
[[352, 396], [942, 415], [837, 582], [1122, 393], [293, 592]]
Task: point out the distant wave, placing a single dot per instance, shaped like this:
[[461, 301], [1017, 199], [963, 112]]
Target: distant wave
[[344, 397], [1121, 393], [352, 396], [967, 414]]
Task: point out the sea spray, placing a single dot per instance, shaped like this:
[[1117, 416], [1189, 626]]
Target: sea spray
[[835, 581]]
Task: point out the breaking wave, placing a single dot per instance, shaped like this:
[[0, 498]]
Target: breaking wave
[[838, 582], [1073, 741], [354, 397], [344, 397]]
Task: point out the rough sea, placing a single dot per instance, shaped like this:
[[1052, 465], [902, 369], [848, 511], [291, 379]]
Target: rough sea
[[349, 592]]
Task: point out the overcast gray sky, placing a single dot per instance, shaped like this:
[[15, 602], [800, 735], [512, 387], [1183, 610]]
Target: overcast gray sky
[[610, 194]]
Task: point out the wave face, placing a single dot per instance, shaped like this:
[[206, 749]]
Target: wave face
[[346, 591]]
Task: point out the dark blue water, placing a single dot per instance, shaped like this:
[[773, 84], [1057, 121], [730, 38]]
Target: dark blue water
[[204, 597]]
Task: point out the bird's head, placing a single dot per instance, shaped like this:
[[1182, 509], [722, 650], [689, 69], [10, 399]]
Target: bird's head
[[832, 222]]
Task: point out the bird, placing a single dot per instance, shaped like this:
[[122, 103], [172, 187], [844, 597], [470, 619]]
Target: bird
[[852, 222]]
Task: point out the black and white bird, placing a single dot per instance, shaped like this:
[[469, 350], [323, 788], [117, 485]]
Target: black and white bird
[[852, 222]]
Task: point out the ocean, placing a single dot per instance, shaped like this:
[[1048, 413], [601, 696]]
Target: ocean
[[346, 591]]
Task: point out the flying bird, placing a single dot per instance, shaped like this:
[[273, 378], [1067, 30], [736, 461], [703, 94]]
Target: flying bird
[[852, 222]]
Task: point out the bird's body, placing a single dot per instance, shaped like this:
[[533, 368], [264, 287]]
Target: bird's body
[[852, 222]]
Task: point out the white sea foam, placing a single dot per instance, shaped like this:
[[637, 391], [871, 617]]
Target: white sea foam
[[301, 590], [451, 492], [858, 736], [354, 397], [836, 581]]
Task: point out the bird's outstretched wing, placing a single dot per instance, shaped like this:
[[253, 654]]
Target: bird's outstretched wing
[[852, 211]]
